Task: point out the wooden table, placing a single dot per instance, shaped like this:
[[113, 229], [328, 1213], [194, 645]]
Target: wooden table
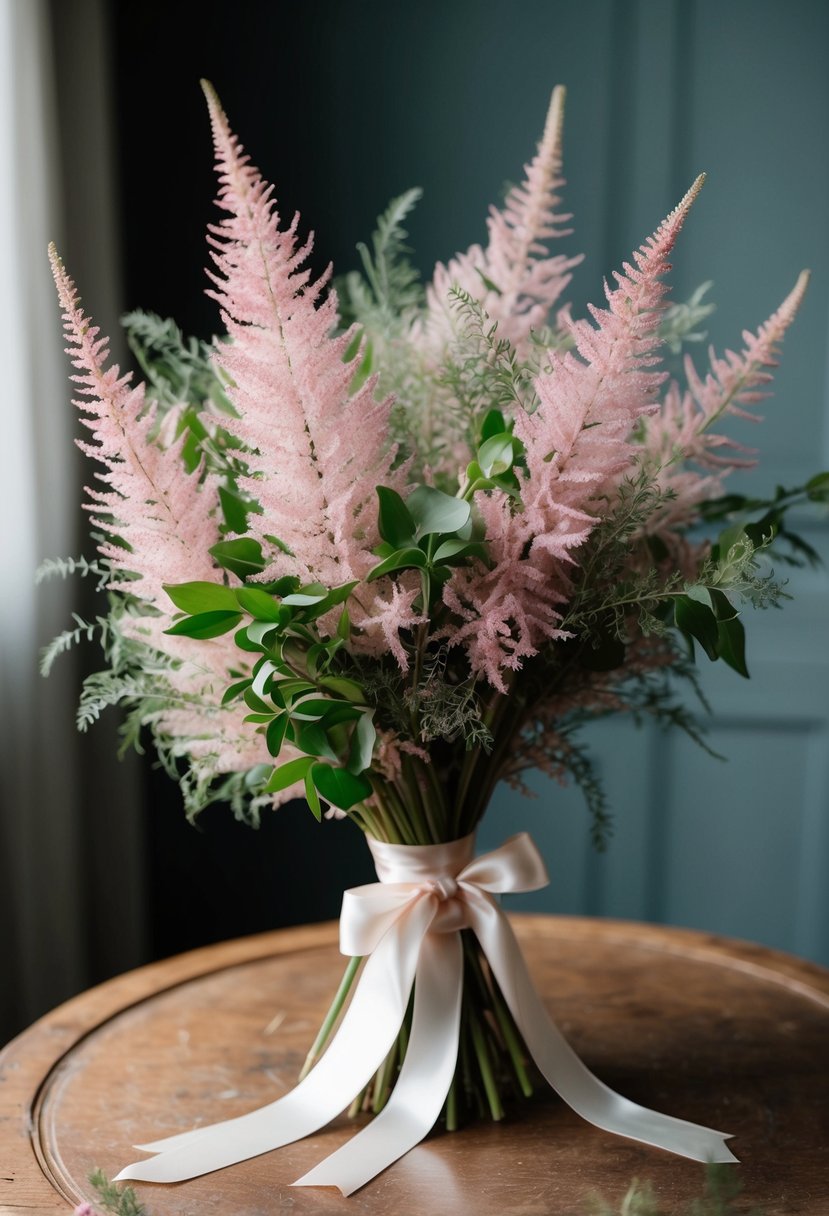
[[720, 1032]]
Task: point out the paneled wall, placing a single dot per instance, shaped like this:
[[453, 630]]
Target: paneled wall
[[344, 106], [739, 847]]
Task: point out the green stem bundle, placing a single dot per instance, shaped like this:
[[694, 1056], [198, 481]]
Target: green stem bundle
[[492, 1066]]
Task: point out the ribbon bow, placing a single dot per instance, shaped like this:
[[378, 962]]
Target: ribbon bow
[[408, 924]]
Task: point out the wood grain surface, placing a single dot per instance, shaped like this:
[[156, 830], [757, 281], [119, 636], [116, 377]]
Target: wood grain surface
[[716, 1031]]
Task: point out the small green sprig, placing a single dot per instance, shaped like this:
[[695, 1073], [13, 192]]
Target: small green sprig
[[119, 1201]]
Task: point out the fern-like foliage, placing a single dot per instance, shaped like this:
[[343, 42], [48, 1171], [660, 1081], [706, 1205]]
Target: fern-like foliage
[[176, 369], [65, 567], [90, 631], [384, 300]]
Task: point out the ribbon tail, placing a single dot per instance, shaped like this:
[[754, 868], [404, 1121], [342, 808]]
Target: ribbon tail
[[425, 1077], [363, 1041], [560, 1065]]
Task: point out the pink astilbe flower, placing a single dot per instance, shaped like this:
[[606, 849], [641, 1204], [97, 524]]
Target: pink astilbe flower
[[316, 451], [169, 520], [166, 517], [515, 279], [679, 435], [385, 619], [577, 444]]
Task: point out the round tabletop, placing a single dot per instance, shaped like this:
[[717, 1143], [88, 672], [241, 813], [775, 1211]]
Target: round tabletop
[[723, 1033]]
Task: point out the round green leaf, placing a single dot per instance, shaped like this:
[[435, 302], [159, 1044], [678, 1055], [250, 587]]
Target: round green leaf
[[342, 789], [496, 454], [434, 511]]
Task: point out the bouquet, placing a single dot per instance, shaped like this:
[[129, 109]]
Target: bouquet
[[382, 547]]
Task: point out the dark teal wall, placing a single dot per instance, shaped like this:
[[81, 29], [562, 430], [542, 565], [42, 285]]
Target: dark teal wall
[[345, 105]]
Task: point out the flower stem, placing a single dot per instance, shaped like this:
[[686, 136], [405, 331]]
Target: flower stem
[[485, 1066], [331, 1017]]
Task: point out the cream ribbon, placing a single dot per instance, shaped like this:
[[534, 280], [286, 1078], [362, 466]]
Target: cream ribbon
[[408, 925]]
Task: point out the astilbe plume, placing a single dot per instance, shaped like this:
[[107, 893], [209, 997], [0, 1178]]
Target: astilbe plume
[[514, 278], [167, 520], [576, 447], [315, 451], [678, 448], [158, 524]]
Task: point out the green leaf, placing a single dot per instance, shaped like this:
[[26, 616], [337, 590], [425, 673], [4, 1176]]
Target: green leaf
[[312, 797], [343, 687], [817, 487], [453, 551], [698, 622], [699, 593], [193, 598], [732, 644], [433, 511], [235, 690], [275, 734], [288, 774], [395, 523], [488, 282], [310, 709], [401, 559], [727, 540], [362, 744], [353, 348], [312, 737], [339, 787], [257, 776], [344, 626], [312, 594], [263, 675], [724, 610], [339, 713], [255, 702], [258, 631], [234, 510], [258, 603], [205, 625], [295, 687], [281, 586], [245, 643], [493, 424], [242, 556], [764, 530], [495, 456], [331, 600]]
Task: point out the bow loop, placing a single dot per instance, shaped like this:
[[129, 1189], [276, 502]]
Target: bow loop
[[516, 866], [369, 912]]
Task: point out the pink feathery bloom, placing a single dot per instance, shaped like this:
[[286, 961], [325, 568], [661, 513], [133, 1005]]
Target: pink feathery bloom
[[167, 518], [514, 277], [315, 450], [680, 436], [84, 1209], [169, 521], [386, 618], [577, 444]]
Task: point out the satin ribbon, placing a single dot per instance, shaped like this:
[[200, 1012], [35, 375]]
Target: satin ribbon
[[408, 925]]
